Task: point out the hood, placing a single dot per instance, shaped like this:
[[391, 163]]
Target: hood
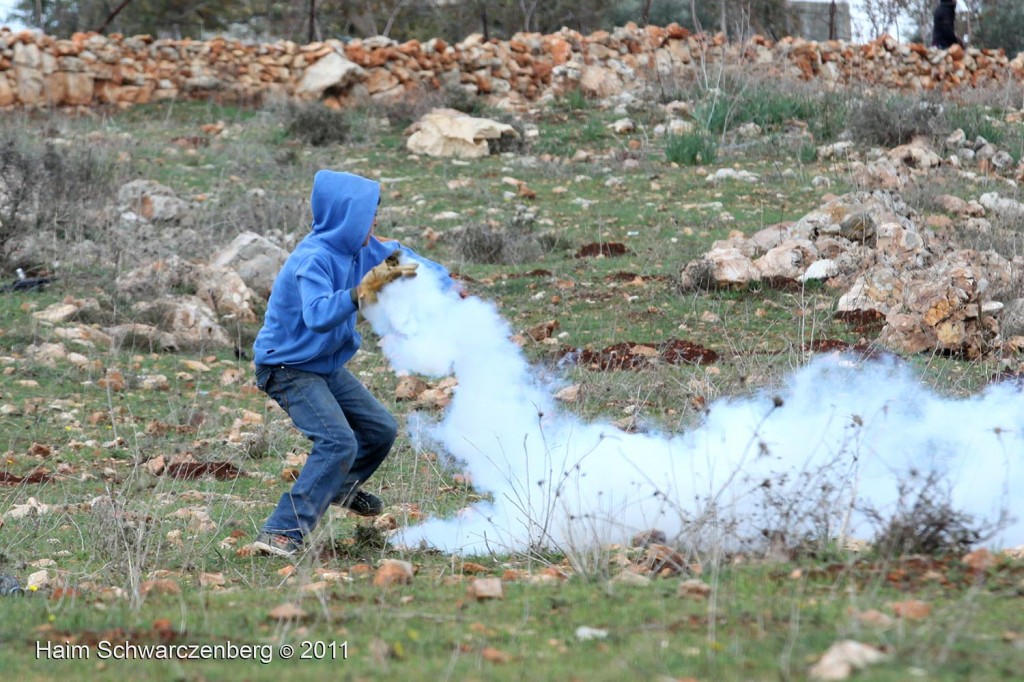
[[343, 209]]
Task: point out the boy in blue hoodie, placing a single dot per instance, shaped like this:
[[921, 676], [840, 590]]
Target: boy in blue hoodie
[[308, 335]]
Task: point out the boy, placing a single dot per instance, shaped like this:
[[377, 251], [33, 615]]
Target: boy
[[307, 337]]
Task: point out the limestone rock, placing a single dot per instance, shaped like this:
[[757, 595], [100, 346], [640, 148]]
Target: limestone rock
[[446, 132], [224, 291], [719, 267], [393, 572], [152, 201], [331, 71], [191, 323], [255, 258]]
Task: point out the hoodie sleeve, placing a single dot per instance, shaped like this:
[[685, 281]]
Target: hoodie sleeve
[[323, 307], [379, 249], [442, 271]]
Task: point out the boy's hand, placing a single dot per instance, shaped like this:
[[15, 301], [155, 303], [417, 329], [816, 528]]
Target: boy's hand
[[380, 276]]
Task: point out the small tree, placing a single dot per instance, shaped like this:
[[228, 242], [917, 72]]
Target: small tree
[[998, 24]]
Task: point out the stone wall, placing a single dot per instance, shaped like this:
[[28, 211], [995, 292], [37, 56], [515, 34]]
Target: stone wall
[[91, 69]]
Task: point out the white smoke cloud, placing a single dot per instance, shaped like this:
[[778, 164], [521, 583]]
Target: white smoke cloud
[[844, 438]]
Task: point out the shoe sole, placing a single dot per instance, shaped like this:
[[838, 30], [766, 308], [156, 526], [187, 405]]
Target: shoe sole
[[270, 549], [366, 515]]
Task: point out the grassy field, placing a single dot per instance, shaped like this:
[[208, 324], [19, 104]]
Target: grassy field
[[153, 559]]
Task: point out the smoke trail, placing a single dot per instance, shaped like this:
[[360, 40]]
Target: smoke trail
[[838, 439]]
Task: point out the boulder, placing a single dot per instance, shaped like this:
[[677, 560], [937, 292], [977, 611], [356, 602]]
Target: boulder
[[1010, 210], [1013, 318], [255, 258], [719, 267], [191, 323], [878, 289], [942, 312], [158, 278], [917, 154], [600, 81], [140, 336], [446, 132], [787, 260], [224, 291], [152, 201], [330, 71]]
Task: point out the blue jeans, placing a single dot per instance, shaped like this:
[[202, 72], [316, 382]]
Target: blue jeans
[[351, 431]]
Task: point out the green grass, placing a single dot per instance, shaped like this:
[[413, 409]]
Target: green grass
[[764, 622], [976, 121], [692, 149], [761, 622]]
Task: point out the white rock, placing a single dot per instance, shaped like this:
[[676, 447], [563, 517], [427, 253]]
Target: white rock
[[622, 126], [585, 633], [820, 269], [330, 71]]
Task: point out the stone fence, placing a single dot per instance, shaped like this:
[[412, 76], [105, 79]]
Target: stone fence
[[90, 69]]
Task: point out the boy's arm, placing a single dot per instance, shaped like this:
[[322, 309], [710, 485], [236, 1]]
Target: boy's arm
[[323, 308], [383, 247]]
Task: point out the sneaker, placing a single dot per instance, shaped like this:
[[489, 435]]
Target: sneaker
[[279, 545], [363, 503]]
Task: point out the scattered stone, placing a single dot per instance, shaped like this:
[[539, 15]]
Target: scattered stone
[[693, 588], [393, 572], [843, 658], [585, 633], [482, 589]]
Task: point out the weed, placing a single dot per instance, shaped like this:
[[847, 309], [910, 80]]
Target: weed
[[509, 244], [740, 100], [50, 187], [414, 104], [925, 521], [975, 121], [891, 120], [316, 124], [572, 100], [691, 149], [808, 152]]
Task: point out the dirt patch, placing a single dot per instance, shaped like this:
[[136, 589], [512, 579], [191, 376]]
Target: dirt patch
[[624, 276], [222, 471], [680, 352], [539, 272], [862, 321], [630, 355], [781, 284], [605, 249], [160, 633], [37, 476]]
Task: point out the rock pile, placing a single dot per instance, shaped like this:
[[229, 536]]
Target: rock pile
[[176, 304], [91, 69], [925, 292]]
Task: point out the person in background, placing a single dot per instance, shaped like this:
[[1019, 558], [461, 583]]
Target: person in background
[[944, 25], [308, 335]]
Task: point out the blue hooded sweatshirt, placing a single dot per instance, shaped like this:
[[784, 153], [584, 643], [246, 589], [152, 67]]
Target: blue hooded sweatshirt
[[311, 321]]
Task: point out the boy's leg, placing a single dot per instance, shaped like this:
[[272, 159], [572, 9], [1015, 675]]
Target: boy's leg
[[308, 400], [374, 428]]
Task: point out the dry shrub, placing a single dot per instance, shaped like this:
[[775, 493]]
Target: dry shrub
[[925, 521], [316, 124], [414, 104], [508, 143], [50, 187], [894, 119], [510, 244]]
